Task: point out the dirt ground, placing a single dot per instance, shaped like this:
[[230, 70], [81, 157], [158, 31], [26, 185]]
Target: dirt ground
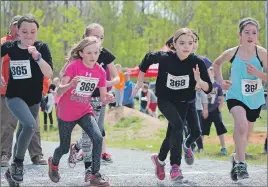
[[152, 125], [254, 139]]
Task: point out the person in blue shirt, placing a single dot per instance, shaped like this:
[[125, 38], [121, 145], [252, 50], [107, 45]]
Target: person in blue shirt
[[128, 100], [245, 93]]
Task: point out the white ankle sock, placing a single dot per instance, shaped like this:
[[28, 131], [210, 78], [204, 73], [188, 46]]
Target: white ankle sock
[[160, 162]]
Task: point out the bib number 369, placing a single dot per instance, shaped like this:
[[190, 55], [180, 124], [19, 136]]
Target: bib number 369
[[87, 85]]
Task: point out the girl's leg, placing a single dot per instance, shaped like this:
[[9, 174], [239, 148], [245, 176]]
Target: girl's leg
[[27, 118], [65, 131]]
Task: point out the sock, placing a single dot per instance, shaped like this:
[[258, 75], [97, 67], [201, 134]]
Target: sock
[[160, 162], [18, 161], [54, 165], [87, 165], [186, 145], [76, 148]]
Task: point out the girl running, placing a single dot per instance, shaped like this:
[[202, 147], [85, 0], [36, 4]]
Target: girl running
[[30, 61], [178, 74], [79, 81], [105, 60], [245, 94]]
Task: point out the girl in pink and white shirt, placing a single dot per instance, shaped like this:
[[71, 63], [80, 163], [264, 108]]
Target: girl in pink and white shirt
[[80, 79]]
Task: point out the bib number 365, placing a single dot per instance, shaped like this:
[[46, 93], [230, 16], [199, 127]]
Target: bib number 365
[[20, 69]]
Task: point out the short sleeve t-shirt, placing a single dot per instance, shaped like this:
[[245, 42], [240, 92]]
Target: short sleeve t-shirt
[[25, 76], [106, 57], [214, 97], [75, 102]]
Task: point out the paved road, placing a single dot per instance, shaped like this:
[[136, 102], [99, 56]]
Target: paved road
[[134, 168]]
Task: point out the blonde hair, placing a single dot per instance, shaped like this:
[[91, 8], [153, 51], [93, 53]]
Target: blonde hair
[[90, 28], [56, 79], [182, 31], [74, 52], [118, 65]]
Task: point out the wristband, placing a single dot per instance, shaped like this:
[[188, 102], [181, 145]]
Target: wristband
[[38, 58]]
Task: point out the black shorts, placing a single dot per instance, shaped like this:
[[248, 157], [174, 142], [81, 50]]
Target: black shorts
[[216, 118], [252, 114]]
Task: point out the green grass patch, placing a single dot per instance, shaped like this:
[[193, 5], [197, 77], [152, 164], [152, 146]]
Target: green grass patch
[[133, 123]]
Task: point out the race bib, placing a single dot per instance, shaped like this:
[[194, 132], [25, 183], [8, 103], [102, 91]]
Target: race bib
[[87, 85], [250, 87], [20, 69], [177, 82]]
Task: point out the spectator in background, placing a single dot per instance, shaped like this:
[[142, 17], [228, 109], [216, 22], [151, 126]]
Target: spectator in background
[[145, 99], [56, 82], [128, 100], [215, 104], [153, 103], [49, 107], [119, 88]]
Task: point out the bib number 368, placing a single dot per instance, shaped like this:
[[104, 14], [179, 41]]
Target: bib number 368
[[177, 82]]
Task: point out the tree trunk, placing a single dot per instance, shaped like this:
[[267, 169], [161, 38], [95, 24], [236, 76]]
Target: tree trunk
[[65, 42]]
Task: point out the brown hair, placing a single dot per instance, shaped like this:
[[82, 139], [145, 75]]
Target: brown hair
[[182, 31], [245, 21], [79, 47], [28, 18]]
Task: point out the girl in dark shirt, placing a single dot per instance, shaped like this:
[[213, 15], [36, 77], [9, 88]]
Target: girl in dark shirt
[[30, 61], [178, 74]]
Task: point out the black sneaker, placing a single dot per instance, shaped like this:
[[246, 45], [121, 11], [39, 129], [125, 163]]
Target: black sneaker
[[11, 183], [242, 171], [234, 170], [16, 172]]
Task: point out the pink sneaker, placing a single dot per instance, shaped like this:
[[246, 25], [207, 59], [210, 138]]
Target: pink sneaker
[[159, 169], [175, 172]]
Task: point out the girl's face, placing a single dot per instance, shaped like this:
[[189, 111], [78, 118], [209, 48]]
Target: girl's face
[[184, 45], [211, 73], [195, 43], [98, 33], [90, 53], [249, 35], [27, 33]]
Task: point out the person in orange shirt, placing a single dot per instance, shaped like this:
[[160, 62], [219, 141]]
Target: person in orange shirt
[[119, 88], [9, 122]]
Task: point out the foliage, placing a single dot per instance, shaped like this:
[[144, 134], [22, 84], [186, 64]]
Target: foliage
[[133, 28]]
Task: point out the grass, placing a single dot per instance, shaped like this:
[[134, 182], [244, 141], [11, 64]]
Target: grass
[[122, 135]]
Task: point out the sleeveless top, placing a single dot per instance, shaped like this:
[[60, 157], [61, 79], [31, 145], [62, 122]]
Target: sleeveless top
[[246, 88]]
